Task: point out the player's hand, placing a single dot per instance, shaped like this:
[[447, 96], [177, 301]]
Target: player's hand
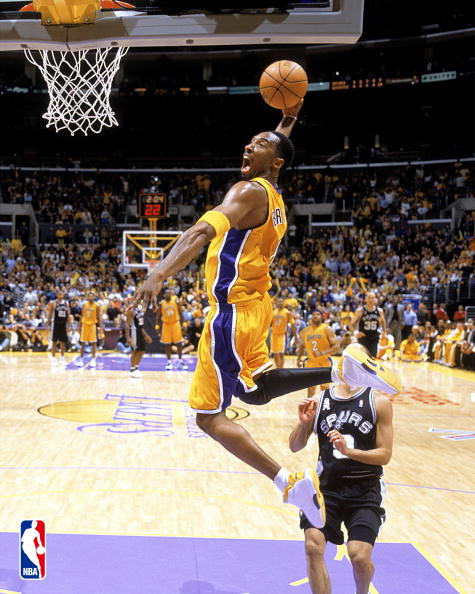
[[299, 363], [294, 110], [147, 293], [307, 410], [360, 334], [338, 441]]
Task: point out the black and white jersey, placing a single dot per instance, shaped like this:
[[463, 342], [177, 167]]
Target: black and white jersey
[[136, 329], [139, 318], [355, 418], [60, 314], [369, 324]]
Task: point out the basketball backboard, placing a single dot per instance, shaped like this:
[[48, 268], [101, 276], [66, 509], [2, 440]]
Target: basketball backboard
[[143, 249], [331, 21], [78, 44]]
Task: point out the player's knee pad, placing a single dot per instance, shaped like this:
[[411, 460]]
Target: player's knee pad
[[256, 396]]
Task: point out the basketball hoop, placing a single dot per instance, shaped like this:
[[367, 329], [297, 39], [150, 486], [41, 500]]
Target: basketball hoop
[[79, 82], [151, 263], [79, 86]]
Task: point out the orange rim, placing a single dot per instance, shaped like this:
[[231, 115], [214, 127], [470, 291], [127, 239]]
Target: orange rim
[[115, 4]]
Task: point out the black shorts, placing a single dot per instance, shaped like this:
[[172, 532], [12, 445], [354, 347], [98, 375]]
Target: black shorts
[[138, 343], [59, 334], [371, 345], [358, 506]]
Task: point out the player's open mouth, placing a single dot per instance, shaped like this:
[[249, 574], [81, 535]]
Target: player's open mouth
[[246, 165]]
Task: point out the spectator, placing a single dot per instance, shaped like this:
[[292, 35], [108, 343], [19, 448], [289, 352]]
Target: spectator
[[440, 313], [4, 338], [410, 320], [459, 315], [410, 350]]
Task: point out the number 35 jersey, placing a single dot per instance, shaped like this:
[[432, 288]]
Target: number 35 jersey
[[355, 418], [369, 324]]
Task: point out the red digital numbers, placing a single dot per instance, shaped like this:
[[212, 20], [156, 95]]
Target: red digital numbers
[[152, 205], [153, 210]]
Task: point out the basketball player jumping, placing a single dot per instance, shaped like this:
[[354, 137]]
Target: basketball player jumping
[[244, 234], [355, 438]]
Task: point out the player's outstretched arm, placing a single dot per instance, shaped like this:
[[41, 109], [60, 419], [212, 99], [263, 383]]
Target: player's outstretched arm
[[244, 206], [289, 117], [299, 436]]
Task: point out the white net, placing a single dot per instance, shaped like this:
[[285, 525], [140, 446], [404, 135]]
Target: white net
[[79, 86]]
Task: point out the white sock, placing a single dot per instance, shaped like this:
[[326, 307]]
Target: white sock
[[281, 479]]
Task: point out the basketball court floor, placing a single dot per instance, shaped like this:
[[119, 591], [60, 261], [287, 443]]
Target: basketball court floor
[[135, 499]]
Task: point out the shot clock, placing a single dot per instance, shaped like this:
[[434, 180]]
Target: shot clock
[[152, 205]]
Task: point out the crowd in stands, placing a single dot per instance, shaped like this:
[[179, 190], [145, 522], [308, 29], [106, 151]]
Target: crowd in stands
[[331, 270], [100, 199]]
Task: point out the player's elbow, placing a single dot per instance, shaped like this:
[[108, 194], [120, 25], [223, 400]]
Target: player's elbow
[[386, 457], [202, 232], [295, 446]]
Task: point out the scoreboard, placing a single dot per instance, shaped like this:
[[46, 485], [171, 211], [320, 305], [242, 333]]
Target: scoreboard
[[152, 205]]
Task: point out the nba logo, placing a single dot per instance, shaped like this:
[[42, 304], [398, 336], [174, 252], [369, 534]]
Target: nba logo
[[32, 550]]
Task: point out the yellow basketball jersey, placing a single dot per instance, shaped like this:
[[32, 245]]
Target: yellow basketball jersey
[[89, 314], [280, 319], [237, 264], [315, 340], [408, 348], [170, 311]]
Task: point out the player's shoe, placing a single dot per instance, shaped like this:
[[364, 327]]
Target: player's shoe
[[53, 361], [135, 373], [63, 361], [356, 368], [93, 363], [304, 492], [79, 362], [169, 366], [182, 365]]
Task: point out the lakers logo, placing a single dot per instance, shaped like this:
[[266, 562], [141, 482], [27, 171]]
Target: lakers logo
[[121, 414]]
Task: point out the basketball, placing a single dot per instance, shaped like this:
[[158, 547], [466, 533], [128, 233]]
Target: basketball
[[283, 84], [40, 550]]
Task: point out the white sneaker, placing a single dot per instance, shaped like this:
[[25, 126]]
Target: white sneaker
[[62, 361], [169, 366], [182, 365], [135, 373], [359, 369], [92, 363], [304, 492], [53, 361], [79, 362]]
